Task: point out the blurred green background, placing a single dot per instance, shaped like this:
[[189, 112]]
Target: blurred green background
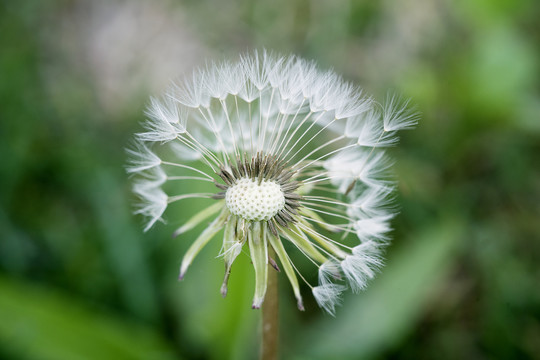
[[80, 280]]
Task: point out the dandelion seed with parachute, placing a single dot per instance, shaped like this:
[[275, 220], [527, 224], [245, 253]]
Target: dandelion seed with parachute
[[294, 165]]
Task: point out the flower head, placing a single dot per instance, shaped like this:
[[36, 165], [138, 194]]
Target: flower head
[[292, 157]]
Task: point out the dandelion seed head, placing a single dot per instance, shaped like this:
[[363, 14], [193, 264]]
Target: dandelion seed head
[[287, 154]]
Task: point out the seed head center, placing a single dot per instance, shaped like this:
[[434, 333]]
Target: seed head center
[[255, 202]]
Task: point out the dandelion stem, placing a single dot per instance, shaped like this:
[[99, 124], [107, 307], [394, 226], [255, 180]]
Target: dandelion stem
[[270, 315]]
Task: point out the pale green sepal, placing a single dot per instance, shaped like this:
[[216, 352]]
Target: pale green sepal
[[202, 240], [319, 220], [301, 241], [259, 257], [230, 250], [330, 247], [287, 266], [241, 228], [199, 217], [232, 246]]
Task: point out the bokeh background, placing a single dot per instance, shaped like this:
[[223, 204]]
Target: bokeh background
[[80, 280]]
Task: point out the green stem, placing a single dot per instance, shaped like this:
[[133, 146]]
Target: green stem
[[270, 314]]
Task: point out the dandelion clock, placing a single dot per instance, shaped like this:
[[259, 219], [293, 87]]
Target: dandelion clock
[[295, 165]]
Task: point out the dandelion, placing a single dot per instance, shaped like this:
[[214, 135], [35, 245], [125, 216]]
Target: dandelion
[[293, 158]]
